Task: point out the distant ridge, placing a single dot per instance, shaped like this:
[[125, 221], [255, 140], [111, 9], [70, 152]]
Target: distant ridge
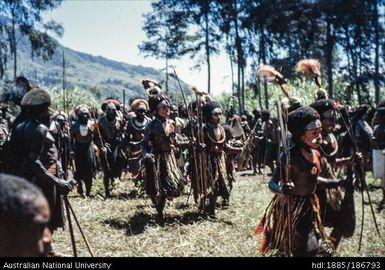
[[97, 74]]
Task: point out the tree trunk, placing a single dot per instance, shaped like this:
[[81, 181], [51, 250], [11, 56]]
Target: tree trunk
[[207, 45], [329, 56], [355, 76], [262, 49], [376, 55], [243, 88], [239, 94], [239, 55], [259, 94], [3, 62], [266, 95], [232, 72], [14, 46], [166, 75]]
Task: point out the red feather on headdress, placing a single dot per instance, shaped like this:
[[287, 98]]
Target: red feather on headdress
[[272, 75]]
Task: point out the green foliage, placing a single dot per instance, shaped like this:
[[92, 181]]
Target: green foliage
[[346, 36], [23, 18], [74, 96], [302, 89], [165, 29]]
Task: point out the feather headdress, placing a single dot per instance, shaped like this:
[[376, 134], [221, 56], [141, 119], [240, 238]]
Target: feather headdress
[[113, 101], [137, 102], [151, 86], [272, 75], [80, 107], [310, 68], [205, 96]]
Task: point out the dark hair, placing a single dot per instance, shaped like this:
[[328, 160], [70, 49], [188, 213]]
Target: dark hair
[[17, 200], [323, 105], [299, 119]]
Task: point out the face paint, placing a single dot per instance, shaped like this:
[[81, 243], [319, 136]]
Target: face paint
[[216, 115], [312, 137], [164, 111]]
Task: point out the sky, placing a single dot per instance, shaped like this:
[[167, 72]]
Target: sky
[[113, 29]]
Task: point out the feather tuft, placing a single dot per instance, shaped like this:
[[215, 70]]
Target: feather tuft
[[272, 75], [197, 91], [151, 86], [309, 67]]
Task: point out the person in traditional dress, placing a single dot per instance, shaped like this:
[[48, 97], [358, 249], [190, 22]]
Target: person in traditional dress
[[163, 178], [82, 134], [36, 156], [110, 141], [214, 138], [292, 225], [379, 151], [24, 219], [135, 128], [337, 203]]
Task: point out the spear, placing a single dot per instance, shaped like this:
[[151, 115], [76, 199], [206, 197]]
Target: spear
[[64, 86], [197, 189], [124, 98], [361, 173], [269, 73], [100, 138], [67, 202], [282, 118]]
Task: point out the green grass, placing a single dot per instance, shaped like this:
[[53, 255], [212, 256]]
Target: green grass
[[124, 225]]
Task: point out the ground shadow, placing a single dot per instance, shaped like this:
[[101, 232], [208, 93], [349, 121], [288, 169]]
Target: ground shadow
[[187, 218], [134, 225]]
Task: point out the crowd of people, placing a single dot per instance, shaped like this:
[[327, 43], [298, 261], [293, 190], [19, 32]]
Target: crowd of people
[[163, 147]]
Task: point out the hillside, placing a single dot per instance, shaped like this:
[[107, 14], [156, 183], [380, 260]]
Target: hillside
[[99, 75]]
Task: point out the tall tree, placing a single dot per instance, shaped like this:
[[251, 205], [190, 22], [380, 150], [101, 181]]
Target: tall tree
[[202, 16], [24, 18], [378, 38], [230, 16], [166, 30]]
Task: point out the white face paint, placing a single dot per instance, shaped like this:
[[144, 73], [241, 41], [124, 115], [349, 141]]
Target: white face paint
[[164, 111], [83, 130], [312, 137], [216, 115]]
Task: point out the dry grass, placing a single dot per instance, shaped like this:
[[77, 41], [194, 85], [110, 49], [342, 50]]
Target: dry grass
[[124, 225]]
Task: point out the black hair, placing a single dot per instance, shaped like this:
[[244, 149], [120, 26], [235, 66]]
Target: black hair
[[17, 200]]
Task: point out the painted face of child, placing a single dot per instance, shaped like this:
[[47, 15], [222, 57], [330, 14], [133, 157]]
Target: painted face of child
[[216, 116], [164, 111], [312, 137]]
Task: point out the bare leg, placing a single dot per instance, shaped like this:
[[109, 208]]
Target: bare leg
[[160, 203]]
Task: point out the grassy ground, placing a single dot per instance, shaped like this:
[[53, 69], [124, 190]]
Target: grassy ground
[[124, 225]]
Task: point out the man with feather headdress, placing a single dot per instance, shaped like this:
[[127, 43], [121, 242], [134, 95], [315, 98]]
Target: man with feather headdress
[[82, 134], [35, 156], [337, 211], [214, 138], [110, 141], [135, 128], [291, 224], [162, 176]]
